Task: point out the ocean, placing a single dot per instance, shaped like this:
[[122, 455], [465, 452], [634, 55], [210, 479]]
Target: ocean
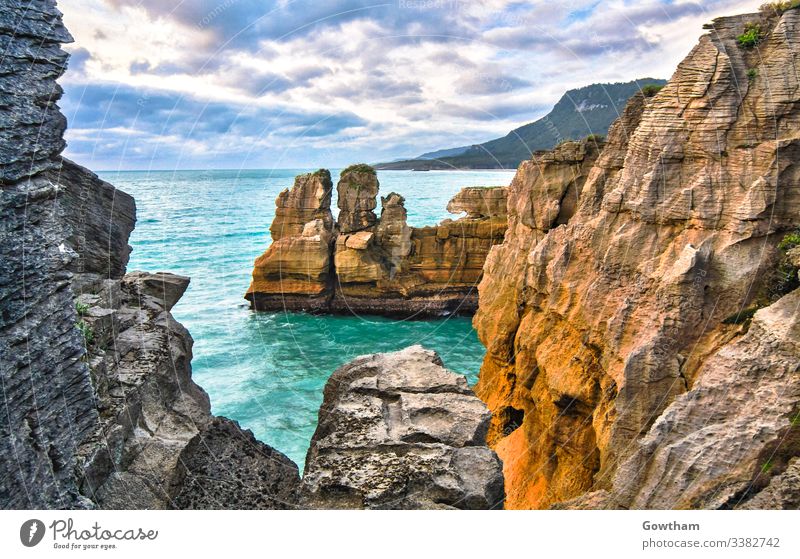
[[267, 370]]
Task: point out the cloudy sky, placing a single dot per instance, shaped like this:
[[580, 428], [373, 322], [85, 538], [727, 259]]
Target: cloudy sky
[[166, 84]]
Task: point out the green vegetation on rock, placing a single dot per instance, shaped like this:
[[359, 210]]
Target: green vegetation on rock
[[359, 168], [780, 7], [751, 37], [650, 90], [87, 331], [785, 278]]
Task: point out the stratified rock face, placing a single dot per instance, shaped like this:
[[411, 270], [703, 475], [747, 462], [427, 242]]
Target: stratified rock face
[[149, 406], [718, 444], [357, 191], [45, 386], [783, 491], [295, 272], [96, 377], [308, 200], [100, 218], [226, 467], [399, 431], [480, 202], [382, 266], [156, 444], [31, 125], [394, 269], [596, 318]]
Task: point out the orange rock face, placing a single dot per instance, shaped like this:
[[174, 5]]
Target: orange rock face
[[366, 264], [611, 299], [295, 272]]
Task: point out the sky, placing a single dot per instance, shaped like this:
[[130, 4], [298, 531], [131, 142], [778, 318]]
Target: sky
[[230, 84]]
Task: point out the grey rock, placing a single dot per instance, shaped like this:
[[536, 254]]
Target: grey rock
[[100, 219], [782, 492], [166, 288], [149, 406], [98, 421], [399, 431], [45, 384], [31, 125], [224, 466]]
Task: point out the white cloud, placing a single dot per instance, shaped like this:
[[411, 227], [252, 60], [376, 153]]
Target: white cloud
[[395, 79]]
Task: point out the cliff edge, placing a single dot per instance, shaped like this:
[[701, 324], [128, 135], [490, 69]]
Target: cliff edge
[[624, 350]]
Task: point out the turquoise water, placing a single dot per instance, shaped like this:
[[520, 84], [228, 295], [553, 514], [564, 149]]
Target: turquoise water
[[267, 370]]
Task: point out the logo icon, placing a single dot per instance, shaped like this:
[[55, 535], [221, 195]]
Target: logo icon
[[31, 532]]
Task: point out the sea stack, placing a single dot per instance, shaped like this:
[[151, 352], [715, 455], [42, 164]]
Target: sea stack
[[295, 273], [377, 265]]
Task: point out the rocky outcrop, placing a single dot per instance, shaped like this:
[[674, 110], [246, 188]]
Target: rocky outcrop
[[149, 407], [718, 444], [100, 219], [379, 265], [31, 126], [99, 403], [224, 466], [614, 311], [480, 202], [356, 197], [399, 431], [47, 394], [296, 271]]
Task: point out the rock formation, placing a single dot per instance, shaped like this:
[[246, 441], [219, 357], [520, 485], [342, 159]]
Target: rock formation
[[42, 374], [356, 197], [399, 431], [640, 316], [296, 270], [376, 265], [622, 359], [96, 376], [226, 467]]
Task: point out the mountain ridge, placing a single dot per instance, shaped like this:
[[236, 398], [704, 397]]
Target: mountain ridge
[[579, 113]]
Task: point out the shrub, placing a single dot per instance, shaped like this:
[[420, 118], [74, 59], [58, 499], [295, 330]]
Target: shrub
[[790, 241], [785, 279], [751, 37], [81, 308], [780, 7], [651, 89], [595, 138], [87, 331], [752, 73], [359, 168]]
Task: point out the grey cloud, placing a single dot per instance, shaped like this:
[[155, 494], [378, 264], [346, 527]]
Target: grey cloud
[[489, 82], [78, 59]]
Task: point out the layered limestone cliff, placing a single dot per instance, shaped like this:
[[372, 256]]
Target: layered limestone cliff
[[623, 366], [370, 264], [399, 431], [99, 406], [48, 401], [297, 269]]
